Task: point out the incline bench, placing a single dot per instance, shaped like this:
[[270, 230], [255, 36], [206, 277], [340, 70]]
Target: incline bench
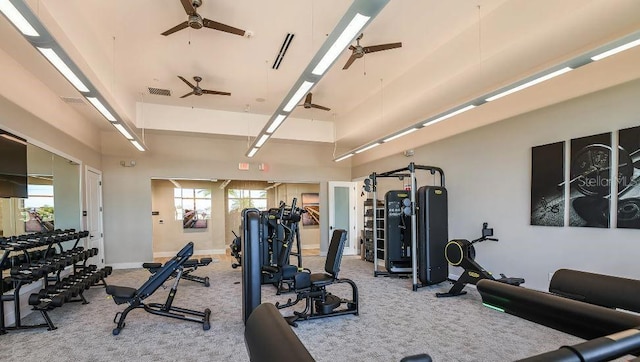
[[189, 267], [135, 297]]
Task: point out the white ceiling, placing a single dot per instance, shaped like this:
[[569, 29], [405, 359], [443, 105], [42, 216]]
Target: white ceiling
[[453, 51]]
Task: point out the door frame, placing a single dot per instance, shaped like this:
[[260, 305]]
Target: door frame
[[99, 241], [352, 233]]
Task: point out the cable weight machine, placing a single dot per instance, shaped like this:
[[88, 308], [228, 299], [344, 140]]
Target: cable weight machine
[[427, 209]]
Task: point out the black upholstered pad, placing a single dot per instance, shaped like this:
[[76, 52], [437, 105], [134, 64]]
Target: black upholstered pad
[[121, 292], [151, 265], [191, 263], [269, 338], [334, 254], [320, 279], [205, 261]]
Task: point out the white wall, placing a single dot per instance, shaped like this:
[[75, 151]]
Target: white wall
[[488, 173]]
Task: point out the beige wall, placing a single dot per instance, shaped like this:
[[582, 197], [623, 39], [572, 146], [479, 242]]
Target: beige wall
[[488, 173], [127, 190], [168, 234]]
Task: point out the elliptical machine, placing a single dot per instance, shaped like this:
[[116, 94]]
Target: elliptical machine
[[460, 252]]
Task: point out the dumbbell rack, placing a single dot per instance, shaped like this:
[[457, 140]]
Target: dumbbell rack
[[33, 257]]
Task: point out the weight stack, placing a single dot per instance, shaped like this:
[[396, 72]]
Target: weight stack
[[433, 234]]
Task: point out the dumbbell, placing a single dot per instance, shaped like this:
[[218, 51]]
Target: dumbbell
[[56, 300]]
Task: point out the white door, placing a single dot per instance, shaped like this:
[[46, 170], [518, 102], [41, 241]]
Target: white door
[[94, 214], [342, 213]]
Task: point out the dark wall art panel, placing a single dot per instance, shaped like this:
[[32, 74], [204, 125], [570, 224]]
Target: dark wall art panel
[[629, 178], [590, 181], [547, 185]]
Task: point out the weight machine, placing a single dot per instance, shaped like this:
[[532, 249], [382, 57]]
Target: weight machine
[[427, 208]]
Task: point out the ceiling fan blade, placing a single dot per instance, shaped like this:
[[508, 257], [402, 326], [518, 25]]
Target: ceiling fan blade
[[307, 99], [352, 58], [176, 28], [352, 48], [320, 107], [222, 27], [188, 7], [188, 94], [377, 48], [186, 81], [206, 91]]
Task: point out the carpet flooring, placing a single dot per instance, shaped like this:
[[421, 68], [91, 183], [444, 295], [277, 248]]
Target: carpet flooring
[[394, 322]]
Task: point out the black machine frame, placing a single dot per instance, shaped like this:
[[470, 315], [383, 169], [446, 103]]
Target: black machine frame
[[409, 171]]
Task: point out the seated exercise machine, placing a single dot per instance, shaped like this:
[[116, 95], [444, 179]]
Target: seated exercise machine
[[189, 267], [236, 250], [311, 287], [135, 297], [461, 253]]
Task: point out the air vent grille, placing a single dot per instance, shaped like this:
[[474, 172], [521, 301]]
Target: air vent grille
[[159, 92], [73, 100]]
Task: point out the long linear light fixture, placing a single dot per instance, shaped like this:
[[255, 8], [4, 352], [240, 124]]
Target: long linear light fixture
[[599, 53], [356, 18], [21, 16]]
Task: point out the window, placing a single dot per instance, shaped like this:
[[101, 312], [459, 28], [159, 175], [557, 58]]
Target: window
[[38, 209], [241, 199], [194, 203]]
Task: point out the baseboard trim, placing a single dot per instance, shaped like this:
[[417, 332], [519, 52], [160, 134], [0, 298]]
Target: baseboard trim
[[126, 265], [311, 246]]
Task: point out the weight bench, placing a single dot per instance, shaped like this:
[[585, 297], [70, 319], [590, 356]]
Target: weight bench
[[189, 267], [135, 297]]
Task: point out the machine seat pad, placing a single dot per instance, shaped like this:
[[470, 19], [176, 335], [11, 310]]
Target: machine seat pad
[[191, 263], [151, 265], [205, 261], [511, 281], [121, 292], [320, 279]]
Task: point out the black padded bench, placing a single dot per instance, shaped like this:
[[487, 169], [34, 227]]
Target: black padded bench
[[269, 337], [189, 267], [134, 297]]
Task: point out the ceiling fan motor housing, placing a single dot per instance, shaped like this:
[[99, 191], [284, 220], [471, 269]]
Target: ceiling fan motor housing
[[195, 21], [196, 3]]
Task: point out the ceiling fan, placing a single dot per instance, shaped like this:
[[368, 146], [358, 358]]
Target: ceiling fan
[[196, 21], [359, 51], [196, 90], [307, 103]]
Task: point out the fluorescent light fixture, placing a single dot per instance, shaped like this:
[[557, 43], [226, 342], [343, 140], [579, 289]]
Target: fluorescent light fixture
[[100, 107], [137, 145], [253, 152], [123, 130], [350, 32], [262, 140], [368, 147], [63, 68], [530, 83], [17, 19], [461, 110], [297, 96], [343, 157], [276, 123], [400, 134], [616, 50]]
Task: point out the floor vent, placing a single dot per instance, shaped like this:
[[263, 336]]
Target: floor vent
[[159, 92]]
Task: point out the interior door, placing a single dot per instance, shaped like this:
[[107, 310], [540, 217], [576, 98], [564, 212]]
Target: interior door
[[342, 212], [94, 214]]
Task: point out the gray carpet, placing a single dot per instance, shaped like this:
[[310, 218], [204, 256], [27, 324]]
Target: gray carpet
[[394, 322]]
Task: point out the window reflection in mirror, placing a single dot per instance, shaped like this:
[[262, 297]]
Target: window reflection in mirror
[[54, 196]]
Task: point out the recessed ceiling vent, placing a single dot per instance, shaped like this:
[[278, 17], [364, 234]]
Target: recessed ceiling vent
[[72, 100], [159, 92], [283, 50]]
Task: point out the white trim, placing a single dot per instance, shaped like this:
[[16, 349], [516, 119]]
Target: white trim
[[311, 246]]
